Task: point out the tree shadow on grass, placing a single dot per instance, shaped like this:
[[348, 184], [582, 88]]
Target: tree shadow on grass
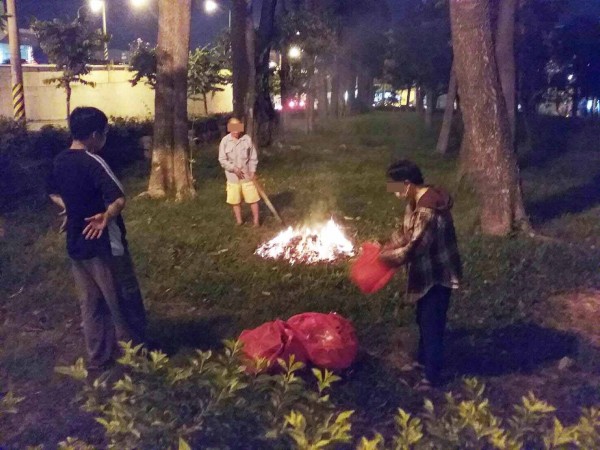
[[173, 335], [574, 200], [519, 348]]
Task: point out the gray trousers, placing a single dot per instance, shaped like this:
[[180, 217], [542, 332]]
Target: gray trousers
[[111, 305]]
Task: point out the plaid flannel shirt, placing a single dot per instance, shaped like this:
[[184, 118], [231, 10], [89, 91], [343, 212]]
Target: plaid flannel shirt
[[426, 243]]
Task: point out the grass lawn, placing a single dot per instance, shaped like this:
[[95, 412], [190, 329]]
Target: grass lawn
[[521, 312]]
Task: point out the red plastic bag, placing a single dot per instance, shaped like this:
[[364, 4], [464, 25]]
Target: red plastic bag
[[271, 341], [368, 272], [329, 339]]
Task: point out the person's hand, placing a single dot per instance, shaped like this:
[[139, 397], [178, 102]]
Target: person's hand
[[95, 227], [239, 173], [252, 176]]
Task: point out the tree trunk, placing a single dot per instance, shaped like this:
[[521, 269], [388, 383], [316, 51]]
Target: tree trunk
[[335, 89], [323, 101], [170, 169], [161, 169], [419, 101], [68, 91], [251, 128], [365, 89], [505, 58], [444, 138], [284, 80], [492, 162], [184, 185], [239, 55], [310, 103], [265, 115], [205, 100], [431, 104]]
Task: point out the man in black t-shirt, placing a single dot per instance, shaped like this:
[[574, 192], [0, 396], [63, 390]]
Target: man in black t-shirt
[[92, 199]]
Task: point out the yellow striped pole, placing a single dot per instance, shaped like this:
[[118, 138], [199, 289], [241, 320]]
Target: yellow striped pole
[[18, 97], [18, 94]]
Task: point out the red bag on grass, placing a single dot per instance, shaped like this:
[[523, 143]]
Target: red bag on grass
[[368, 272], [271, 341], [329, 339]]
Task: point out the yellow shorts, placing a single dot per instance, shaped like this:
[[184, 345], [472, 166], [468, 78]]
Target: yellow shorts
[[237, 191]]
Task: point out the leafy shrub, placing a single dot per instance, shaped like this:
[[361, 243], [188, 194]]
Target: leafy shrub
[[49, 141], [14, 139], [8, 405], [211, 402]]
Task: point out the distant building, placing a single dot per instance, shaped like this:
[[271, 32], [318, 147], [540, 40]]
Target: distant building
[[28, 42]]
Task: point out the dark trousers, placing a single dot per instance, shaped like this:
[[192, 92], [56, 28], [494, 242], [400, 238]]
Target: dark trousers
[[111, 305], [431, 318]]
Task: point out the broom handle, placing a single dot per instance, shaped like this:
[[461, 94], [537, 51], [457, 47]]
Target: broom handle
[[265, 197]]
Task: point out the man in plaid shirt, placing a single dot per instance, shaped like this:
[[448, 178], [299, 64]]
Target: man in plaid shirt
[[426, 244]]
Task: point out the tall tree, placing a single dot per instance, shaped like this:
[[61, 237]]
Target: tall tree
[[239, 54], [444, 137], [170, 173], [505, 57], [142, 63], [493, 165], [264, 110], [205, 75], [71, 47]]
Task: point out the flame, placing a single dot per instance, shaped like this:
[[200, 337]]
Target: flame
[[323, 243]]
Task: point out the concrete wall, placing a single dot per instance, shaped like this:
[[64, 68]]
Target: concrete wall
[[113, 94]]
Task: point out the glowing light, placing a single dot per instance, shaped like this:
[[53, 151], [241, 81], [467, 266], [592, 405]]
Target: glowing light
[[302, 104], [292, 104], [139, 3], [210, 6], [295, 52], [324, 243], [272, 64], [570, 77], [96, 5]]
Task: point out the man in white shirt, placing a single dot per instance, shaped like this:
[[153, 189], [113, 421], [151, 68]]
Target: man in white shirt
[[238, 156]]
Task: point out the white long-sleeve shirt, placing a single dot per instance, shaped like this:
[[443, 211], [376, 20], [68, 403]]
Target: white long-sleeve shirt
[[237, 154]]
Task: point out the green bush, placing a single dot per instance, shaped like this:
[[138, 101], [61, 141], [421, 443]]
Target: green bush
[[8, 405], [211, 402]]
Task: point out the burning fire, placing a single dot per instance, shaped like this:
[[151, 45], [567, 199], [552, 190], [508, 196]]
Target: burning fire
[[324, 243]]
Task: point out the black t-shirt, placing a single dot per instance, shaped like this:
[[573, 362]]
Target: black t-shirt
[[87, 186]]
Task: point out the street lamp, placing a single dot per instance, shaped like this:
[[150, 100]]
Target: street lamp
[[97, 6], [211, 7], [139, 3], [295, 52]]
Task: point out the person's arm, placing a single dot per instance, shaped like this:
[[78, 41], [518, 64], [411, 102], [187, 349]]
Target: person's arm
[[223, 160], [58, 201], [253, 161], [226, 163], [98, 222], [419, 241]]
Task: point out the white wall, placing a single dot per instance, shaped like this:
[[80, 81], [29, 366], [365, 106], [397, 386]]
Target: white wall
[[45, 104]]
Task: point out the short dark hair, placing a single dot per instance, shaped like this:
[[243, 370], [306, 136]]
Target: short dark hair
[[405, 170], [83, 121]]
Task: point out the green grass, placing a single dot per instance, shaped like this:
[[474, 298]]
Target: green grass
[[197, 294]]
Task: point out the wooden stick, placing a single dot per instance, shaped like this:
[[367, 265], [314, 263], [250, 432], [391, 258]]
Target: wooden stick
[[265, 197]]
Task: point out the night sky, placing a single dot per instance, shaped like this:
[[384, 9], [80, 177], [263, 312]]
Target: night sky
[[125, 23]]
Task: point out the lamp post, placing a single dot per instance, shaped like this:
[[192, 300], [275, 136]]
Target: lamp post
[[211, 7], [97, 6]]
